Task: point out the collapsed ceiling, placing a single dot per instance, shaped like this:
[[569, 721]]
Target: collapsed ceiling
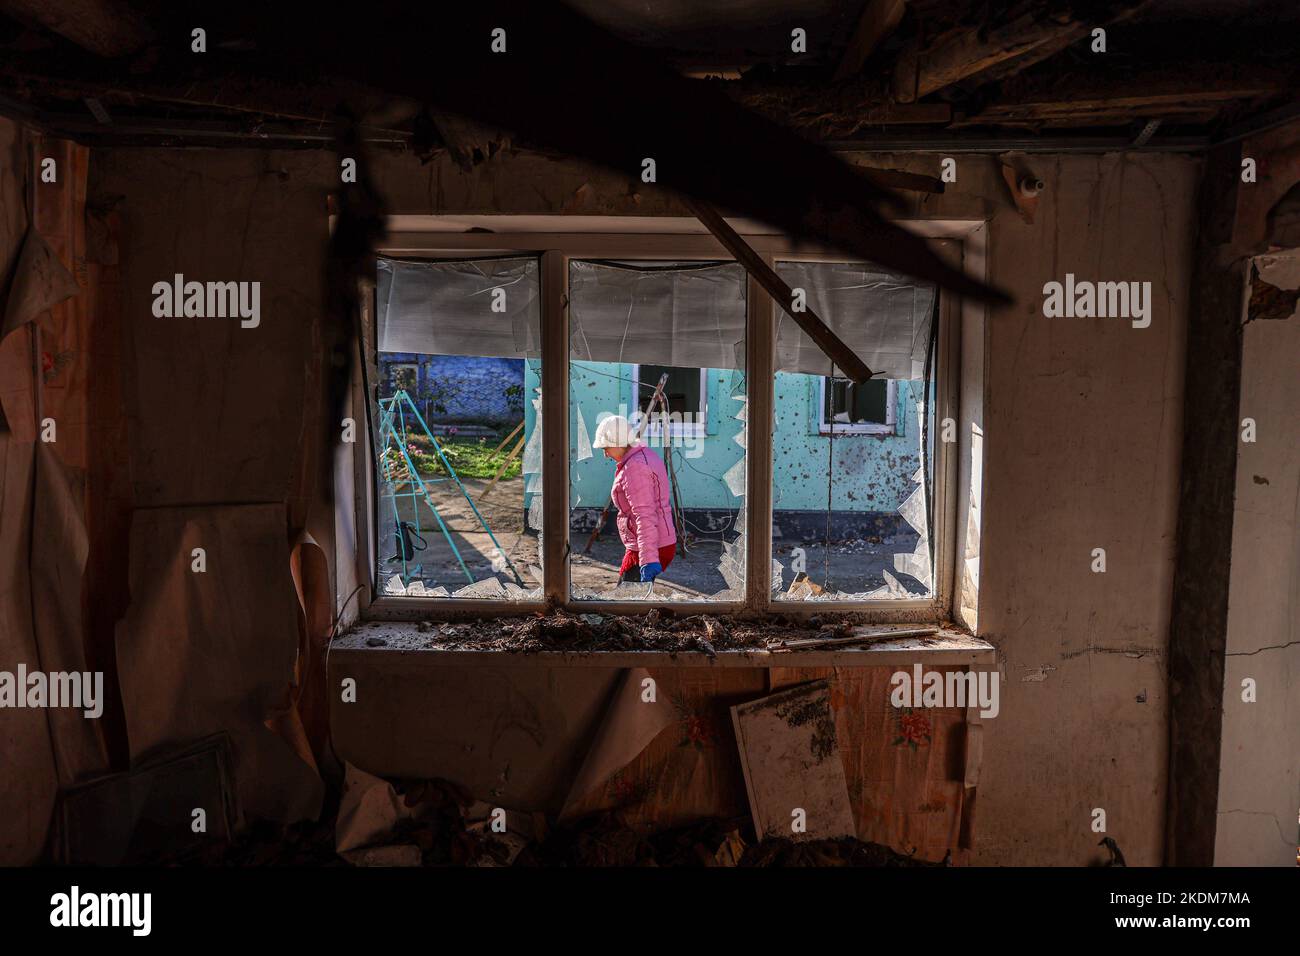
[[879, 73]]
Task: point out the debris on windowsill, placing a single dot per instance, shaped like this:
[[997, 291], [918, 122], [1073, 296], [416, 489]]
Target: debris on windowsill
[[834, 638], [655, 631]]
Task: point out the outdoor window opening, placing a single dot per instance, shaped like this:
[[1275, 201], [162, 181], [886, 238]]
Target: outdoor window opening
[[659, 437]]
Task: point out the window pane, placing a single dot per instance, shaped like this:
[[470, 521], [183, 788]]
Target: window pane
[[849, 404], [682, 390], [676, 496], [852, 468], [458, 450]]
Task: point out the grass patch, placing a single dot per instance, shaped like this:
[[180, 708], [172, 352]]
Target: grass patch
[[471, 457]]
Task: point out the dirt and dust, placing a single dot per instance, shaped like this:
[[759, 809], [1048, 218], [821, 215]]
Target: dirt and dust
[[653, 631]]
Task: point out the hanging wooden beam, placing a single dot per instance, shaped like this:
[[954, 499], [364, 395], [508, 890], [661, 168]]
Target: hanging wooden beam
[[781, 293], [108, 28], [901, 179], [1198, 624], [1153, 90], [680, 134], [879, 19], [924, 68]]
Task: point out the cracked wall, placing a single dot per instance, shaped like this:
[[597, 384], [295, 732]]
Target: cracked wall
[[1082, 428], [1259, 764]]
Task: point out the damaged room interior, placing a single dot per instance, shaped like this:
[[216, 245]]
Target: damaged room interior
[[815, 433]]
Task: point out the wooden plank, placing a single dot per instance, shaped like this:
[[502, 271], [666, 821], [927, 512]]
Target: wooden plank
[[880, 18], [555, 427], [505, 441], [862, 636], [107, 28], [817, 330], [514, 453], [834, 112], [792, 765], [1198, 623], [760, 376], [969, 51], [1148, 104], [900, 179]]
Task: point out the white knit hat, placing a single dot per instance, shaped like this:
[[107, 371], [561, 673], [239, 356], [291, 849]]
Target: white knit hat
[[614, 432]]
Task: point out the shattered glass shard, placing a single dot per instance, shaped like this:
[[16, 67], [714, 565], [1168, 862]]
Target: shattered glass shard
[[533, 450], [584, 439], [891, 590], [488, 588], [514, 592], [734, 479]]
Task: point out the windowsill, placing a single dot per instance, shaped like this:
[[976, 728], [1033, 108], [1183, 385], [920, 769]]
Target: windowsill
[[404, 639], [849, 431]]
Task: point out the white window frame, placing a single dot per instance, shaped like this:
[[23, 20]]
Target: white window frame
[[696, 429], [888, 427], [559, 239]]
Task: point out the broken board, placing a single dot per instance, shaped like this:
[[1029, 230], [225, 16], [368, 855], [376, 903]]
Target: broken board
[[147, 814], [791, 760]]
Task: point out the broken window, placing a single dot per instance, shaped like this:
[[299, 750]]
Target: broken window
[[455, 428], [657, 402], [685, 393], [869, 408], [660, 346], [852, 465]]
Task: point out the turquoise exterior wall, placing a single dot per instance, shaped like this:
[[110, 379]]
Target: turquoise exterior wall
[[871, 474]]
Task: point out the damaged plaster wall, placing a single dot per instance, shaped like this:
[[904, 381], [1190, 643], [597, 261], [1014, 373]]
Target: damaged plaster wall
[[1082, 429], [219, 417], [29, 781], [1081, 441], [1259, 762], [1259, 776], [1081, 424]]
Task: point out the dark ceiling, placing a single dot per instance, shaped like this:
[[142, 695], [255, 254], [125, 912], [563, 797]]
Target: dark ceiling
[[1177, 74]]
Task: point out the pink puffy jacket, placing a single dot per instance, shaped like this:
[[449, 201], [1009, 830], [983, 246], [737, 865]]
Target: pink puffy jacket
[[645, 514]]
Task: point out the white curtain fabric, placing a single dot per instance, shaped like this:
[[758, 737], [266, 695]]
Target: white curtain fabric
[[691, 315], [447, 308], [883, 317], [683, 314]]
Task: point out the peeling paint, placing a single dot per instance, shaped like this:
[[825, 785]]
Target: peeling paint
[[1038, 674]]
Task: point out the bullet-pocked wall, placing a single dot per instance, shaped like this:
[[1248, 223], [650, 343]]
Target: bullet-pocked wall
[[1081, 423]]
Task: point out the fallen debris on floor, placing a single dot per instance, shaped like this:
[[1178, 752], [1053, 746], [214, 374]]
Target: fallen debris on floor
[[447, 831]]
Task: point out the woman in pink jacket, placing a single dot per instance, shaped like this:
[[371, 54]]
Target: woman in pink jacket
[[641, 494]]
